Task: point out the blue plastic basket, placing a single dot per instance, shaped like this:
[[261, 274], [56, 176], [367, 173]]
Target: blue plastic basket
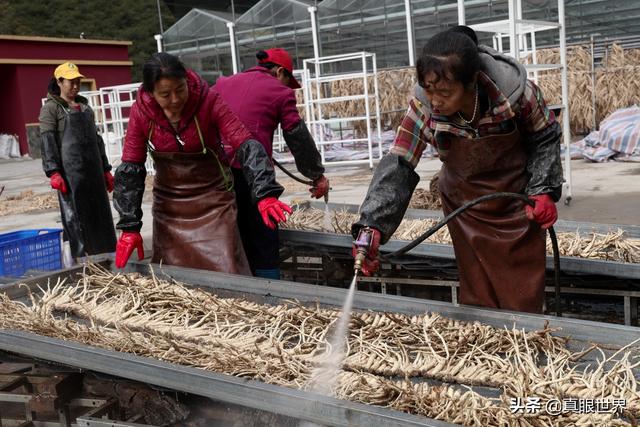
[[30, 250]]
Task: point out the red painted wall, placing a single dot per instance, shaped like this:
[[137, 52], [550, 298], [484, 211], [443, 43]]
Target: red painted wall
[[11, 118], [24, 85]]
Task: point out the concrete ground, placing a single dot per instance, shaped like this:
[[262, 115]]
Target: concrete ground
[[602, 192]]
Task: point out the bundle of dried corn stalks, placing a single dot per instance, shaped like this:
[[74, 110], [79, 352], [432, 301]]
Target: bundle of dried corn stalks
[[580, 84], [394, 88], [613, 246], [616, 83], [282, 344]]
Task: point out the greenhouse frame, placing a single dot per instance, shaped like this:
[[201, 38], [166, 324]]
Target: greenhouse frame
[[392, 33], [392, 29]]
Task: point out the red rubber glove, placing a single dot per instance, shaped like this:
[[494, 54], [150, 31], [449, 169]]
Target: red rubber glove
[[272, 211], [128, 241], [108, 180], [544, 211], [57, 183], [320, 187], [371, 264]]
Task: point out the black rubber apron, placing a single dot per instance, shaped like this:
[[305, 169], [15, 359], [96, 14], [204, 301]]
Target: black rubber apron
[[85, 209]]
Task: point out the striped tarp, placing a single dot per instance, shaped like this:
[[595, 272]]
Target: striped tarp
[[621, 130]]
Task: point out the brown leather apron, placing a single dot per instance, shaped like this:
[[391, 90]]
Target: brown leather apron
[[500, 253], [194, 213]]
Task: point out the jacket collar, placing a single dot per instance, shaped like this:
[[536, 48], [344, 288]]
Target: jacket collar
[[258, 68], [60, 100]]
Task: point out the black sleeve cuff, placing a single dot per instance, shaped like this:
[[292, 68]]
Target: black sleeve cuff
[[388, 197], [305, 153], [544, 163], [128, 190], [258, 171], [50, 151]]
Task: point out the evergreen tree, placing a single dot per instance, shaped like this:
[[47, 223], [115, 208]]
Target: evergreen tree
[[132, 20]]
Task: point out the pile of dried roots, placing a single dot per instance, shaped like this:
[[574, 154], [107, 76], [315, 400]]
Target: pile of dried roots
[[613, 246], [27, 201], [389, 355], [427, 199]]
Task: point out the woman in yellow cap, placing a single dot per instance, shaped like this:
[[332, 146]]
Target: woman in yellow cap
[[74, 159]]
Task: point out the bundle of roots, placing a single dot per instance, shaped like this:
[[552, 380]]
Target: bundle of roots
[[388, 355], [27, 201]]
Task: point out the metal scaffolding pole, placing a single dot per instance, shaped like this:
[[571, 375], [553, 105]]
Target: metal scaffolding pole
[[314, 31], [462, 20], [411, 43], [566, 127], [158, 38], [513, 30], [232, 43]]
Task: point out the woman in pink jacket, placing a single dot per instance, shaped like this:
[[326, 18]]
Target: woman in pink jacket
[[262, 97], [178, 120]]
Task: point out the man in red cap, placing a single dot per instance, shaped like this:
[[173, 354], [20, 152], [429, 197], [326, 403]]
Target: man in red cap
[[262, 97]]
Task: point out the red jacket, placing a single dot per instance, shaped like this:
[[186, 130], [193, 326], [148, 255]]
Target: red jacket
[[214, 117], [261, 102]]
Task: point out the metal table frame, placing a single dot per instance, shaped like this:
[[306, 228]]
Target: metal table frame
[[436, 250]]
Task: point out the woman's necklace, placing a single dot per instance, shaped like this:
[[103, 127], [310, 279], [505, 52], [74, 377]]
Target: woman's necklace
[[174, 123], [475, 110]]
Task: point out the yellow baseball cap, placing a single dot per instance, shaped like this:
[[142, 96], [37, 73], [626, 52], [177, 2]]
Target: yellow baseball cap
[[68, 71]]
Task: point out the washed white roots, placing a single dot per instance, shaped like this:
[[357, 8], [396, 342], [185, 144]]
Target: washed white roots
[[389, 355]]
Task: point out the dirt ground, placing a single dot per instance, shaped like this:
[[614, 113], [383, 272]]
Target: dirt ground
[[601, 192], [27, 201], [604, 192]]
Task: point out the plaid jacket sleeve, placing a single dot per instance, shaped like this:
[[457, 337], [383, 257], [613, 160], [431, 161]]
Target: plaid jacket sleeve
[[541, 135], [534, 115], [413, 135]]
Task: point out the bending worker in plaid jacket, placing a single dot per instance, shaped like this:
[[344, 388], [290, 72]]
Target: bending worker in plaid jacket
[[493, 133]]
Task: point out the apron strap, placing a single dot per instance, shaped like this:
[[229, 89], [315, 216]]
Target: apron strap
[[150, 146], [225, 171], [204, 149]]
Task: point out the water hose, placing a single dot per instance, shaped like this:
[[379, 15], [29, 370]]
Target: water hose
[[306, 182], [438, 226], [292, 176]]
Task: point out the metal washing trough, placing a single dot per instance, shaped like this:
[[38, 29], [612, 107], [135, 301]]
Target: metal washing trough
[[560, 226], [568, 264], [254, 394], [618, 279], [436, 250]]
